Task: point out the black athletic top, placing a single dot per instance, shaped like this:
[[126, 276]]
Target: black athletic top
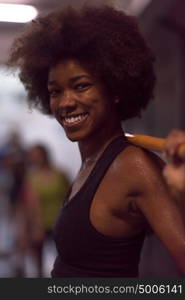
[[82, 250]]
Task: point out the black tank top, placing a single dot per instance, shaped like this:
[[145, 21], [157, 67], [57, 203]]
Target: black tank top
[[82, 250]]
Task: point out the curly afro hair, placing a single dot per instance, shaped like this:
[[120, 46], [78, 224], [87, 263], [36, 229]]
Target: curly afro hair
[[104, 40]]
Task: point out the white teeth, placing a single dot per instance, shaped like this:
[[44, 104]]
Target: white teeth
[[70, 120]]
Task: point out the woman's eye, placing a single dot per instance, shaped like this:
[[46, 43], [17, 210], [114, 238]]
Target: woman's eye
[[83, 86], [54, 93]]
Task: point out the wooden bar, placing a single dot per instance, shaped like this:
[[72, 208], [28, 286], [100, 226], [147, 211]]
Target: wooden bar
[[153, 143]]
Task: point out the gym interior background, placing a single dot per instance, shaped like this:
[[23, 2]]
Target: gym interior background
[[163, 25]]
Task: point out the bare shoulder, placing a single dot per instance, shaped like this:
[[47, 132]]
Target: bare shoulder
[[139, 163], [141, 171], [135, 154], [138, 172]]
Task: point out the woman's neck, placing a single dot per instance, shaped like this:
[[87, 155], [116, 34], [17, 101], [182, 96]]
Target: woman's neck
[[91, 148]]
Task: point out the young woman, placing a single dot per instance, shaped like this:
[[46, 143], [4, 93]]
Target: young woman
[[91, 69]]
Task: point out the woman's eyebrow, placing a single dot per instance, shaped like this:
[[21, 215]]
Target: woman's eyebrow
[[71, 80]]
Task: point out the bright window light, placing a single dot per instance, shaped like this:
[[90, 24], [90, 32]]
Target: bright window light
[[17, 13]]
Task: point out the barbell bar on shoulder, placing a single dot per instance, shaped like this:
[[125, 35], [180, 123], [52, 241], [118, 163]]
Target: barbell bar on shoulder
[[153, 143]]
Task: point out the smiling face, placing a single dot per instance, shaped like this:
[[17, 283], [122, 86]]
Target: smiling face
[[79, 102]]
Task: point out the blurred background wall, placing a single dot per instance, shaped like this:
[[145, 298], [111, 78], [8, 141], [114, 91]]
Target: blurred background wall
[[163, 25]]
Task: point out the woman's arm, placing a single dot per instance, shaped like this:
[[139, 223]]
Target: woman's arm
[[157, 204]]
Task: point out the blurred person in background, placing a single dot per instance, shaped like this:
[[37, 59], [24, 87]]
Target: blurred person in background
[[12, 172], [43, 194], [13, 162], [92, 70]]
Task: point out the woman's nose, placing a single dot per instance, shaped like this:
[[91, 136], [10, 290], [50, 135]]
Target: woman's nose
[[67, 99]]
